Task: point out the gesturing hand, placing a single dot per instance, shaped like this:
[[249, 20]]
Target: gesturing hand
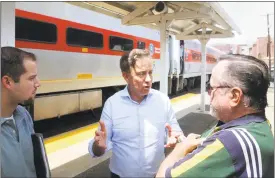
[[100, 136], [172, 137]]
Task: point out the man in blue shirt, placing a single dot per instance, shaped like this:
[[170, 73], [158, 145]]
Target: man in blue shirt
[[134, 122], [19, 84]]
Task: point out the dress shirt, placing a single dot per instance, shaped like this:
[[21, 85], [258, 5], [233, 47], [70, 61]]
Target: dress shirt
[[136, 132]]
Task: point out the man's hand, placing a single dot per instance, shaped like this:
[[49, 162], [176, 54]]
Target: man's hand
[[188, 145], [183, 148], [172, 137], [100, 139]]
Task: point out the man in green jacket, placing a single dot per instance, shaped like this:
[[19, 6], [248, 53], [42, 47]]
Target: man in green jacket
[[241, 144]]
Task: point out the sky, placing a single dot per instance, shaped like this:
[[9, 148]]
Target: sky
[[251, 18]]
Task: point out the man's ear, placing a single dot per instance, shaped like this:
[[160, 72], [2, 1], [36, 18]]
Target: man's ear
[[7, 81], [125, 76], [235, 96]]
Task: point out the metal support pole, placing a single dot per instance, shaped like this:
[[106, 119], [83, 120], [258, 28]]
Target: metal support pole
[[8, 24], [203, 41], [203, 75], [0, 90], [163, 59], [7, 32], [268, 46]]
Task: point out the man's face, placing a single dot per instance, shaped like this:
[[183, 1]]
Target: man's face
[[25, 89], [219, 99], [140, 77]]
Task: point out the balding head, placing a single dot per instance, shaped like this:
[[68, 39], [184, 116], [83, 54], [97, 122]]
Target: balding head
[[246, 77]]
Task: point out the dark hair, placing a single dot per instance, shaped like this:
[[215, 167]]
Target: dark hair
[[251, 75], [12, 62], [129, 59]]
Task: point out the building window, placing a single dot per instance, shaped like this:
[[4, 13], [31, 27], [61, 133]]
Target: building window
[[140, 45], [82, 38], [120, 44], [35, 31]]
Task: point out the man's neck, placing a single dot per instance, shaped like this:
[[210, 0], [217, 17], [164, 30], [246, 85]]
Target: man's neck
[[242, 112], [7, 107], [134, 97]]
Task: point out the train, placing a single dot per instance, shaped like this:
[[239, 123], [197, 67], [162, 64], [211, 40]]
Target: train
[[78, 52]]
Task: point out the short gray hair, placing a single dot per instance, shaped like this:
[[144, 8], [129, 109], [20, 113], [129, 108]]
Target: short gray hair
[[129, 59], [251, 75]]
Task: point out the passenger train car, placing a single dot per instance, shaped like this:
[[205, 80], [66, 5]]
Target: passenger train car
[[78, 52]]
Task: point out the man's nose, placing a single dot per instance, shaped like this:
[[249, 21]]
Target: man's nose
[[37, 83], [148, 78]]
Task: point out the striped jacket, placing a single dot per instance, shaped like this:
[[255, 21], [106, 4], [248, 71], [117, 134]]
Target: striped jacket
[[241, 148]]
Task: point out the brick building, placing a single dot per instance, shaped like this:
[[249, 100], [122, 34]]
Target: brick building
[[259, 48]]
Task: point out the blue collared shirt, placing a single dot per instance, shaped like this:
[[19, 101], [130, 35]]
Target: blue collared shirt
[[136, 132], [17, 159]]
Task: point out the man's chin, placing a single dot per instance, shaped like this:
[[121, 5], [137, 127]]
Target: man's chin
[[145, 93], [213, 112], [28, 102]]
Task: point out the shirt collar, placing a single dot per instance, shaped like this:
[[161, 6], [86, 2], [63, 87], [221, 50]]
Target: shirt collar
[[247, 119], [13, 116]]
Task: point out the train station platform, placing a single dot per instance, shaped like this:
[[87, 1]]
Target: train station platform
[[75, 161]]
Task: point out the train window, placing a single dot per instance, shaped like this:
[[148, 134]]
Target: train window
[[120, 44], [140, 45], [36, 31], [83, 38]]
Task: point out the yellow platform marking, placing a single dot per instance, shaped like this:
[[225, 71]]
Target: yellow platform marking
[[183, 97], [67, 139], [70, 138]]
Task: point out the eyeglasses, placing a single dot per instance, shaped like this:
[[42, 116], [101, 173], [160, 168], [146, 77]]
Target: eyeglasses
[[210, 88]]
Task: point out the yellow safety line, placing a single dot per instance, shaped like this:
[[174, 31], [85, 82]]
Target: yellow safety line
[[67, 139], [70, 138], [186, 96]]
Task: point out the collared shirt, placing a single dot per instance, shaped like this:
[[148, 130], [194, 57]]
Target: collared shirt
[[240, 148], [16, 145], [136, 132]]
